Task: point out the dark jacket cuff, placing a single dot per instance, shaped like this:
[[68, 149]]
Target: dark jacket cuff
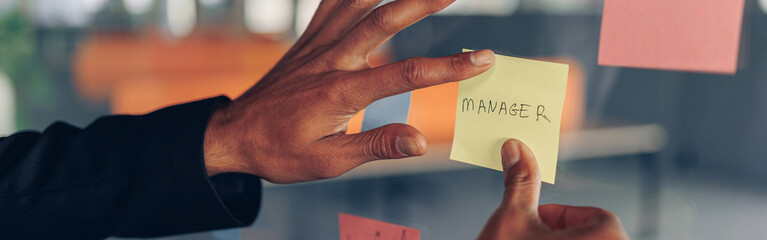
[[204, 203]]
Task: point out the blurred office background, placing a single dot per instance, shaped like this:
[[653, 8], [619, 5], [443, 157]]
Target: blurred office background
[[675, 155]]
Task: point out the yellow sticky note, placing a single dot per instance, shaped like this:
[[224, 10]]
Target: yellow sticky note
[[516, 98]]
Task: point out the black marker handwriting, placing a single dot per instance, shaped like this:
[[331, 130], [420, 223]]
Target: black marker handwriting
[[503, 108]]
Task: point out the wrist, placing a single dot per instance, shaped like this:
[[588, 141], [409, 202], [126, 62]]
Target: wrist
[[218, 156]]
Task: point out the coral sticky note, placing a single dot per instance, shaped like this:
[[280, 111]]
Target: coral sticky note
[[686, 35], [359, 228], [516, 98]]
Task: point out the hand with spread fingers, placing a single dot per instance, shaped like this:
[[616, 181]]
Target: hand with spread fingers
[[291, 126], [520, 217]]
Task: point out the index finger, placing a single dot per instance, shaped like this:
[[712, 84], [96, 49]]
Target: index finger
[[415, 73]]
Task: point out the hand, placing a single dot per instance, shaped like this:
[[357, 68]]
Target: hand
[[291, 126], [520, 217]]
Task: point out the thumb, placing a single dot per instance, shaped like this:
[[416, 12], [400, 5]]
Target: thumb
[[521, 178], [392, 141]]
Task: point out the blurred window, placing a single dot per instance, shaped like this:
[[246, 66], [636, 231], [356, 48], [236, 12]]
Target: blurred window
[[7, 108], [137, 7], [268, 16], [181, 17], [92, 6], [763, 5], [75, 13], [212, 3]]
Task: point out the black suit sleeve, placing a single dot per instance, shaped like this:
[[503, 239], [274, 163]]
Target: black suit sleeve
[[125, 176]]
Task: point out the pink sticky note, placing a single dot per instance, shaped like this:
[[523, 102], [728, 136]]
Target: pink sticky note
[[359, 228], [686, 35]]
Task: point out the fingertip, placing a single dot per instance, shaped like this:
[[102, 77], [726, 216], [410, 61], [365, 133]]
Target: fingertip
[[411, 144], [421, 139], [510, 153], [482, 58]]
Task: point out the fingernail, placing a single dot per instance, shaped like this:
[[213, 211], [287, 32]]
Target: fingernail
[[482, 58], [408, 146], [510, 153]]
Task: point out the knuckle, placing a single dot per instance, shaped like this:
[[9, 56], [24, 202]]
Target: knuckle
[[334, 90], [382, 19], [340, 91], [380, 149], [521, 178], [412, 71], [348, 62], [329, 93], [355, 4], [378, 152], [456, 64]]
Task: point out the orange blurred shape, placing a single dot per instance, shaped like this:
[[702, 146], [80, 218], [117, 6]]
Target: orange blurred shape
[[355, 123], [573, 113], [143, 94], [108, 60], [432, 110], [141, 72]]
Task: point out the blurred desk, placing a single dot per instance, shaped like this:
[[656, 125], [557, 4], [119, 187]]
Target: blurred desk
[[573, 145]]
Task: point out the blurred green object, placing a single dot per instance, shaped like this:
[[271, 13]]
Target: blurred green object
[[19, 60]]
